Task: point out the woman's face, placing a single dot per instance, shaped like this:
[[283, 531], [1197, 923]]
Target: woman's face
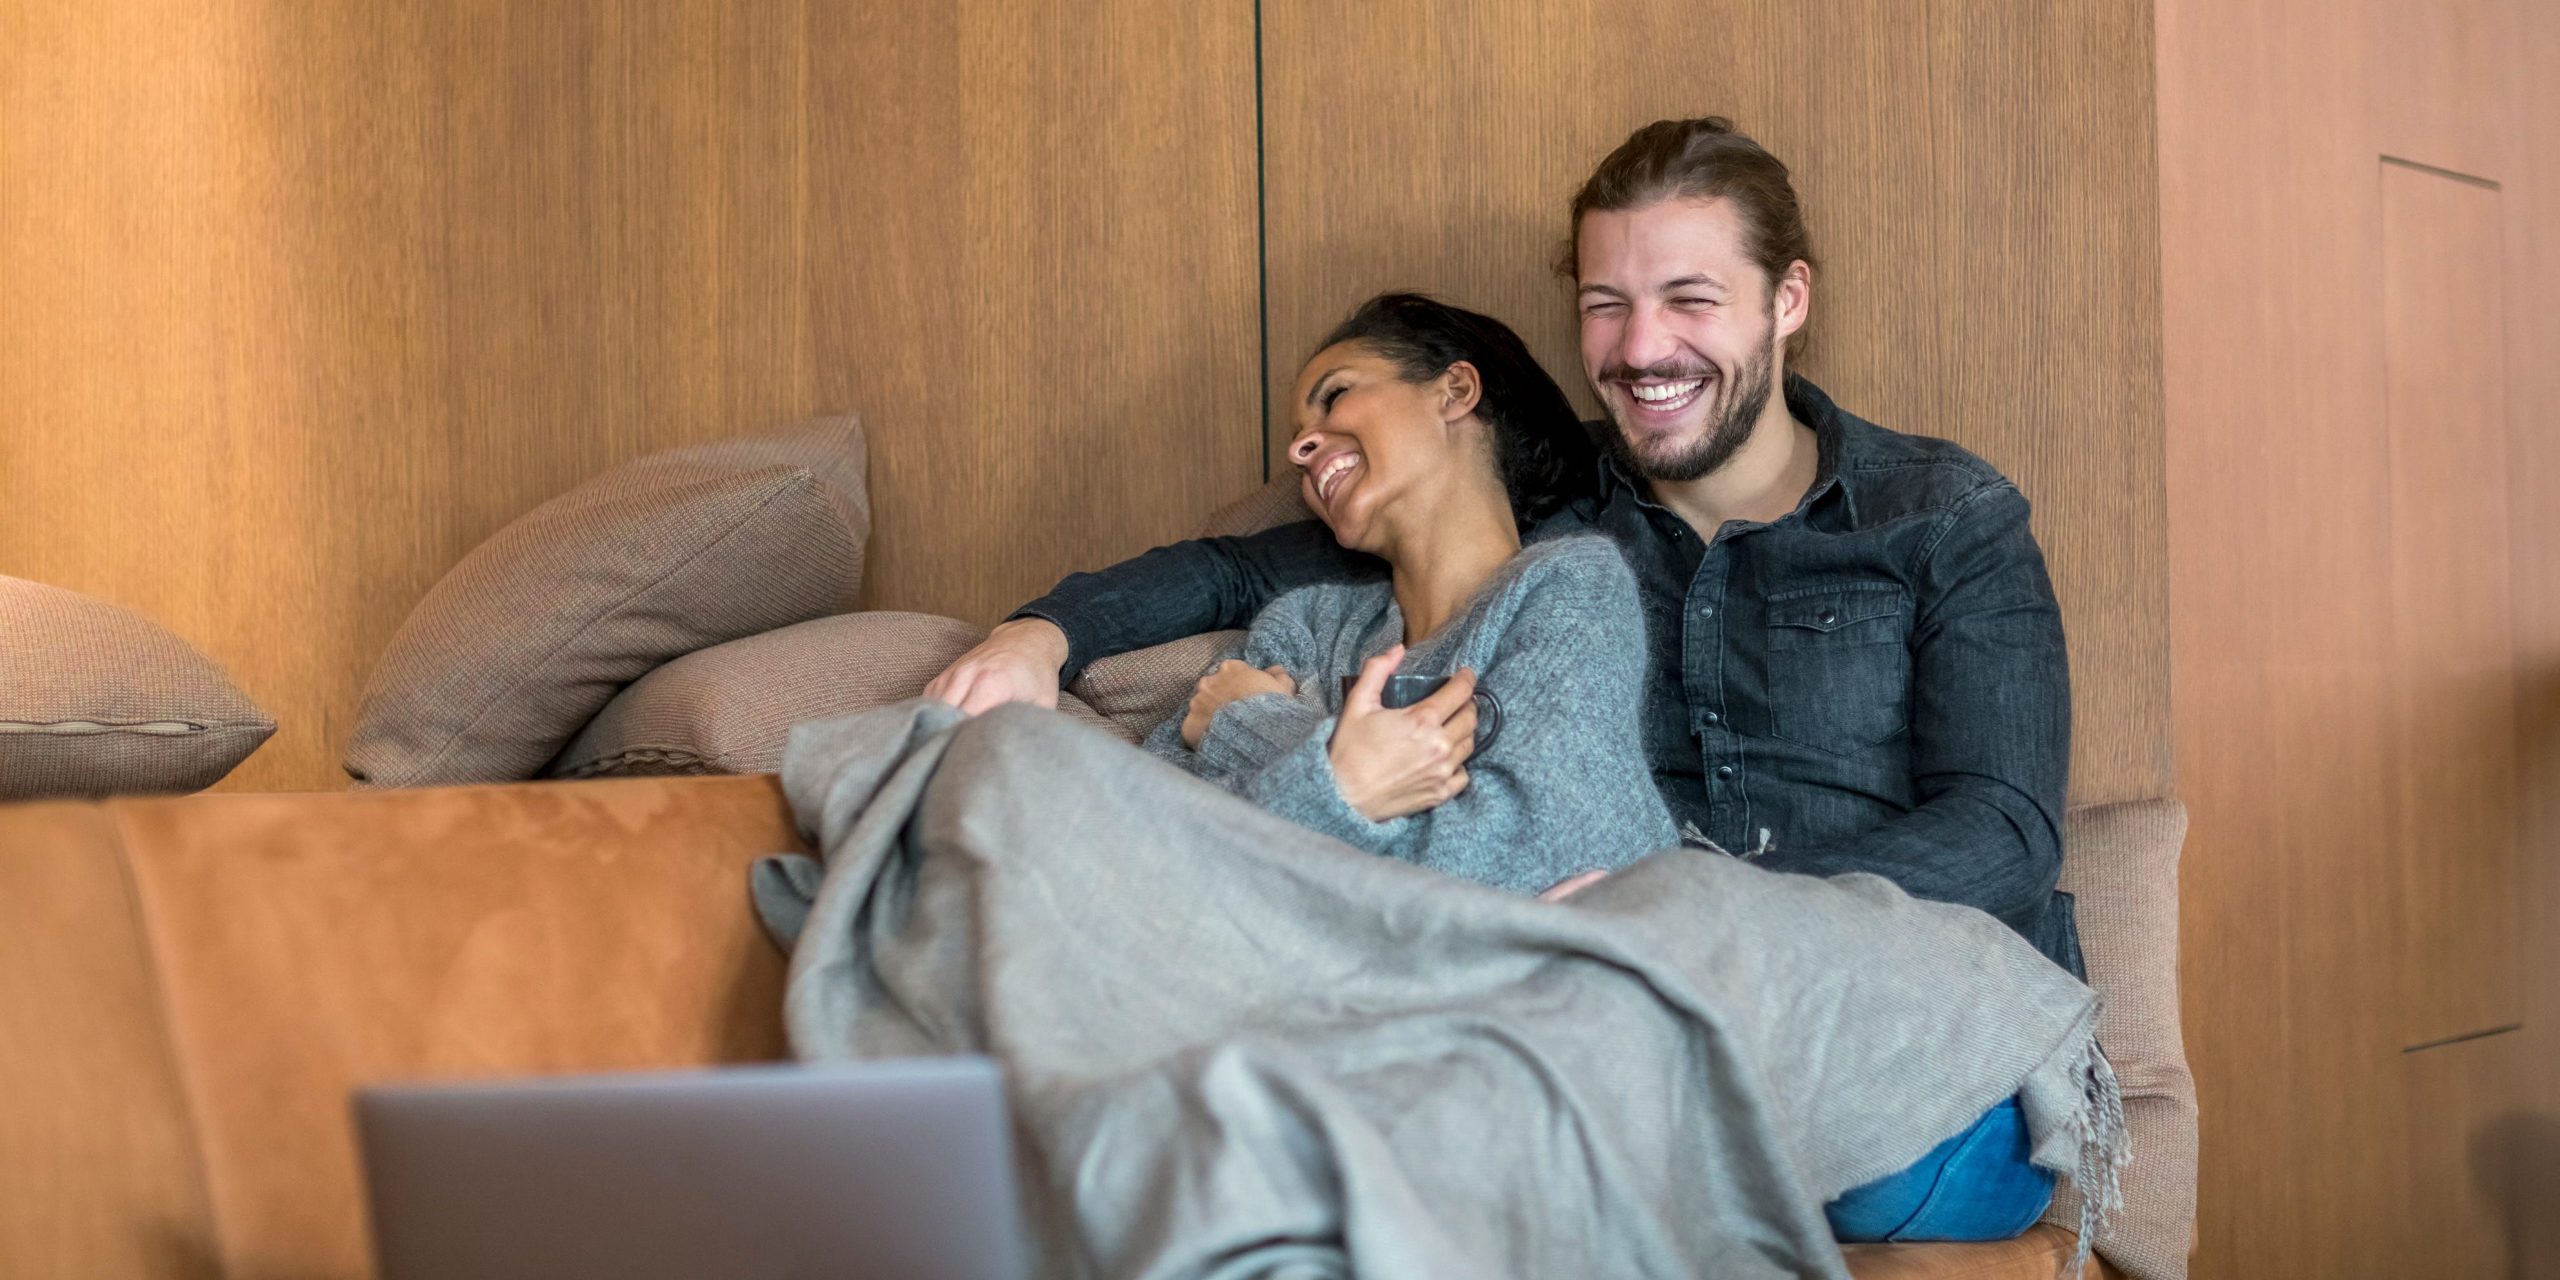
[[1367, 439]]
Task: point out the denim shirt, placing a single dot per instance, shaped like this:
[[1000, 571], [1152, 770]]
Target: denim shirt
[[1874, 682]]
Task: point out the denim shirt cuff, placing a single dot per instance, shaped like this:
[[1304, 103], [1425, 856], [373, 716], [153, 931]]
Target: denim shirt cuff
[[1070, 622]]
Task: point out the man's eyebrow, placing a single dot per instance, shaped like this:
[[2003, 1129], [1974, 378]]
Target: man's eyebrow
[[1687, 281], [1602, 288], [1316, 387]]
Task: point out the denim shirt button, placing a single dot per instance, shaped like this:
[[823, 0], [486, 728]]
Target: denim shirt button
[[1713, 718], [1706, 611], [1724, 771], [1827, 617]]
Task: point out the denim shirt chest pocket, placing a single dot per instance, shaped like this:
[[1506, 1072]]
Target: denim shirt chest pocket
[[1840, 664]]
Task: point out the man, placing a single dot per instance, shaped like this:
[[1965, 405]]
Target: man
[[1856, 658]]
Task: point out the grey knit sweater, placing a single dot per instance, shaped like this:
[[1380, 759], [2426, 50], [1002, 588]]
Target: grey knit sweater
[[1556, 637]]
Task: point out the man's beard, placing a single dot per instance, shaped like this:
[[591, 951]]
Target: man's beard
[[1725, 435]]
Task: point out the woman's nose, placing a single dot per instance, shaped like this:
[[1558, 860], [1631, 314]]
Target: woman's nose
[[1304, 451]]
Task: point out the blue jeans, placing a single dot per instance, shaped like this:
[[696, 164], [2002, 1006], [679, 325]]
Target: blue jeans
[[1977, 1185]]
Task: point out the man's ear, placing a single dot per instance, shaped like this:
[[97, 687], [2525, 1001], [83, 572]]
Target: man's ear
[[1461, 387], [1791, 303]]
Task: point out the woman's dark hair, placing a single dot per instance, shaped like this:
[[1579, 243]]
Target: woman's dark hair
[[1544, 455]]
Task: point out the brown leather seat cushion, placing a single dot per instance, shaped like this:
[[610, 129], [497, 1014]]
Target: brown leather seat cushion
[[301, 945], [2041, 1254], [208, 978], [102, 1175]]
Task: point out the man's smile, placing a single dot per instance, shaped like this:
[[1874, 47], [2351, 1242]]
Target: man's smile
[[1656, 399]]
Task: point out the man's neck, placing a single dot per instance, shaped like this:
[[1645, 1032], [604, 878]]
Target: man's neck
[[1442, 564], [1762, 482]]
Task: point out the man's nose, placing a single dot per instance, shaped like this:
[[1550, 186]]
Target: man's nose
[[1646, 341]]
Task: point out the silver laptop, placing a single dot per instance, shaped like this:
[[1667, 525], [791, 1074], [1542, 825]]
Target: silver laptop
[[887, 1171]]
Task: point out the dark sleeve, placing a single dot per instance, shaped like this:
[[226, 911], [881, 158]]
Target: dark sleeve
[[1207, 584], [1990, 726]]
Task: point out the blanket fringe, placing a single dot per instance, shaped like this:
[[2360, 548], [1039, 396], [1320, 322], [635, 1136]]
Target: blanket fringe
[[1692, 834], [2104, 1151]]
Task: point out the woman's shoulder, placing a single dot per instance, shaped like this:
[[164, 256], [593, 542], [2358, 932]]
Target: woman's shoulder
[[1584, 561], [1302, 620]]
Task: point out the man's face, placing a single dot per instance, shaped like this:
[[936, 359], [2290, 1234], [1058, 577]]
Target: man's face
[[1681, 332]]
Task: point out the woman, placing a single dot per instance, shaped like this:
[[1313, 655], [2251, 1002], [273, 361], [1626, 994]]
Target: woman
[[1428, 437]]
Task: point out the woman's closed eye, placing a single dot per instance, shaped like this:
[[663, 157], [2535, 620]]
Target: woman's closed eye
[[1325, 398]]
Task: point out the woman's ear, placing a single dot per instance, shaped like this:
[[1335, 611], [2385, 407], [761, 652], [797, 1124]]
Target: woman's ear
[[1461, 387]]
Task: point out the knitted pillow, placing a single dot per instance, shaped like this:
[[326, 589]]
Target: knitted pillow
[[2120, 864], [1274, 504], [96, 700], [730, 708], [533, 632]]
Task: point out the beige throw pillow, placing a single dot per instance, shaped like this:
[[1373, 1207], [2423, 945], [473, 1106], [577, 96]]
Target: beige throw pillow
[[96, 700], [534, 631], [1140, 690], [1276, 503], [730, 708], [2120, 864]]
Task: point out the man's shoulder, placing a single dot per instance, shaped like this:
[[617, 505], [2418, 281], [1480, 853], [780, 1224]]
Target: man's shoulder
[[1892, 473]]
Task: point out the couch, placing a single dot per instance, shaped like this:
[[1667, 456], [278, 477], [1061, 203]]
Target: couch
[[191, 986]]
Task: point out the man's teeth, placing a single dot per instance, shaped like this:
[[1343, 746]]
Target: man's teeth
[[1667, 391]]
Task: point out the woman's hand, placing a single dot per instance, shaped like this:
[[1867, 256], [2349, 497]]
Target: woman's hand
[[1393, 763], [1233, 681], [1017, 662], [1571, 885]]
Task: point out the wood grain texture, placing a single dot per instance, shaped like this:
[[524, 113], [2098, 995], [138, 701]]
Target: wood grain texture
[[300, 302], [1034, 253], [2047, 336], [2516, 1138], [1979, 185], [2281, 636], [2337, 565], [2453, 638]]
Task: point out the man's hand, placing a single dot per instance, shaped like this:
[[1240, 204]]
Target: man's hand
[[1392, 763], [1233, 681], [1017, 662]]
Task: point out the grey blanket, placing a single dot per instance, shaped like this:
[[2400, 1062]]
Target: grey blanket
[[1236, 1048]]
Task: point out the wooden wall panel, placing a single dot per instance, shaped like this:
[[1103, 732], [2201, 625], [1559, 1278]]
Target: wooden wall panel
[[299, 302], [2518, 1142], [1979, 184], [1033, 239], [2328, 527], [2280, 635], [2453, 631], [2046, 327]]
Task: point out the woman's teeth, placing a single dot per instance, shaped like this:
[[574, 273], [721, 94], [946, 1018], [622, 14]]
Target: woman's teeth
[[1331, 477]]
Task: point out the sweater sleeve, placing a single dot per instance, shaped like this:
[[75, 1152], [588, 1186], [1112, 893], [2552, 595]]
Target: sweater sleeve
[[1251, 732], [1564, 786]]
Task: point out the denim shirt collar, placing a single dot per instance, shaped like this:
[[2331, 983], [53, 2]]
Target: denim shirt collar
[[1811, 406]]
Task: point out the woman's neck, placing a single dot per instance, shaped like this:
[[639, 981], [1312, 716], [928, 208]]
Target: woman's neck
[[1445, 560]]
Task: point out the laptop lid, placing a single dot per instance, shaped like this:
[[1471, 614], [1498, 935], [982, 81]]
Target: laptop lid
[[883, 1171]]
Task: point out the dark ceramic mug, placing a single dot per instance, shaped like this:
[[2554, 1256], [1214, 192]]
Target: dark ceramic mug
[[1403, 691]]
